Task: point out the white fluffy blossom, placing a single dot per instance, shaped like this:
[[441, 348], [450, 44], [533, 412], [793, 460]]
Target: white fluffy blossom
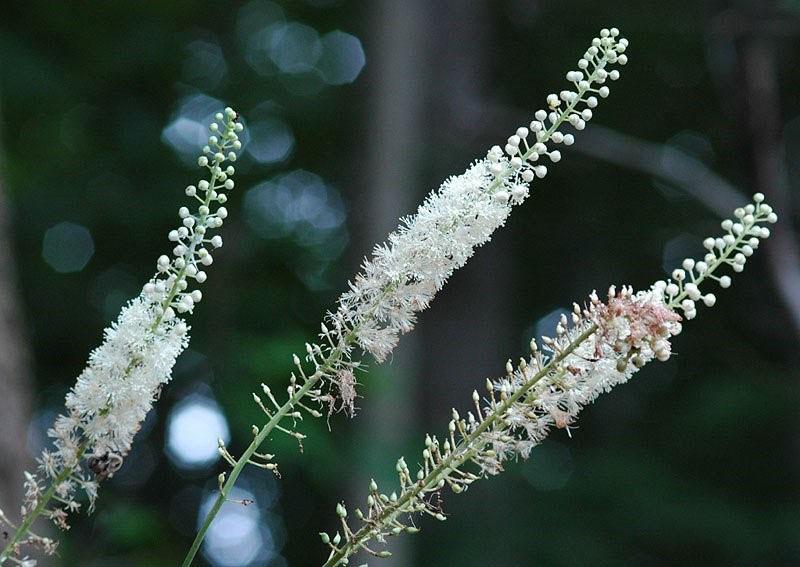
[[405, 273], [116, 390], [125, 374]]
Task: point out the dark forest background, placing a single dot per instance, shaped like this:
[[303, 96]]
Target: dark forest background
[[355, 110]]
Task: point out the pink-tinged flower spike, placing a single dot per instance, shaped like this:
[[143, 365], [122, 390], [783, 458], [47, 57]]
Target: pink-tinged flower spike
[[405, 273], [125, 374], [600, 346]]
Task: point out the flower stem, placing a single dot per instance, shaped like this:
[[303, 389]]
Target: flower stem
[[275, 420], [240, 464], [22, 530]]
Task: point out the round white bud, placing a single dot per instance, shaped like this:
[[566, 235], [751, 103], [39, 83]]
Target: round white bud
[[501, 197]]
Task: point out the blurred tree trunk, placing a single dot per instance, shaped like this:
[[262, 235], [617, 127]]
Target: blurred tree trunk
[[468, 335], [399, 44], [15, 378]]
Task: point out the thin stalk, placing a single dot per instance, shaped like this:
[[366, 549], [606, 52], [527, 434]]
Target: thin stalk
[[675, 302], [242, 462], [41, 505], [31, 517], [464, 452], [277, 417]]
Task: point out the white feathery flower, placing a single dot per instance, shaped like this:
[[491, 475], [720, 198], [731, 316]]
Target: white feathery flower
[[124, 375], [405, 273], [603, 345]]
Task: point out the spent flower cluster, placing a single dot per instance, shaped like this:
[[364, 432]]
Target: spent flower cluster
[[602, 346], [125, 374]]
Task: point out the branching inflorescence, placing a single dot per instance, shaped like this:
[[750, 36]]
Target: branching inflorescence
[[405, 273], [125, 373], [603, 345]]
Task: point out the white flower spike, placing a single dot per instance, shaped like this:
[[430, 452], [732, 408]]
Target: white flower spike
[[124, 375], [607, 343]]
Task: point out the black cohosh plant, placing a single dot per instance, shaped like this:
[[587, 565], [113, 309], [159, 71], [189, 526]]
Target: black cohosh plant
[[602, 344]]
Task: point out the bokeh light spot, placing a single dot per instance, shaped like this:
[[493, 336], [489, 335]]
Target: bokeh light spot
[[193, 428], [342, 59], [204, 64], [188, 131], [67, 247], [238, 537], [271, 140], [294, 47], [545, 326], [298, 204]]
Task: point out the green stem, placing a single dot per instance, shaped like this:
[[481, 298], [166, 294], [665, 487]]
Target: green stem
[[465, 451], [188, 256], [276, 418], [41, 505], [242, 462], [335, 355]]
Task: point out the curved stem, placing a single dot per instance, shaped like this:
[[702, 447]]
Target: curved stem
[[675, 302], [277, 417]]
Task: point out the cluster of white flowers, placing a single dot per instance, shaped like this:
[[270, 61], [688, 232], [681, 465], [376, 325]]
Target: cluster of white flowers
[[603, 345], [124, 375], [406, 272]]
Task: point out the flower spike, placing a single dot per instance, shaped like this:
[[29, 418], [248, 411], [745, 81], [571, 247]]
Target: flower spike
[[125, 374], [605, 345]]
